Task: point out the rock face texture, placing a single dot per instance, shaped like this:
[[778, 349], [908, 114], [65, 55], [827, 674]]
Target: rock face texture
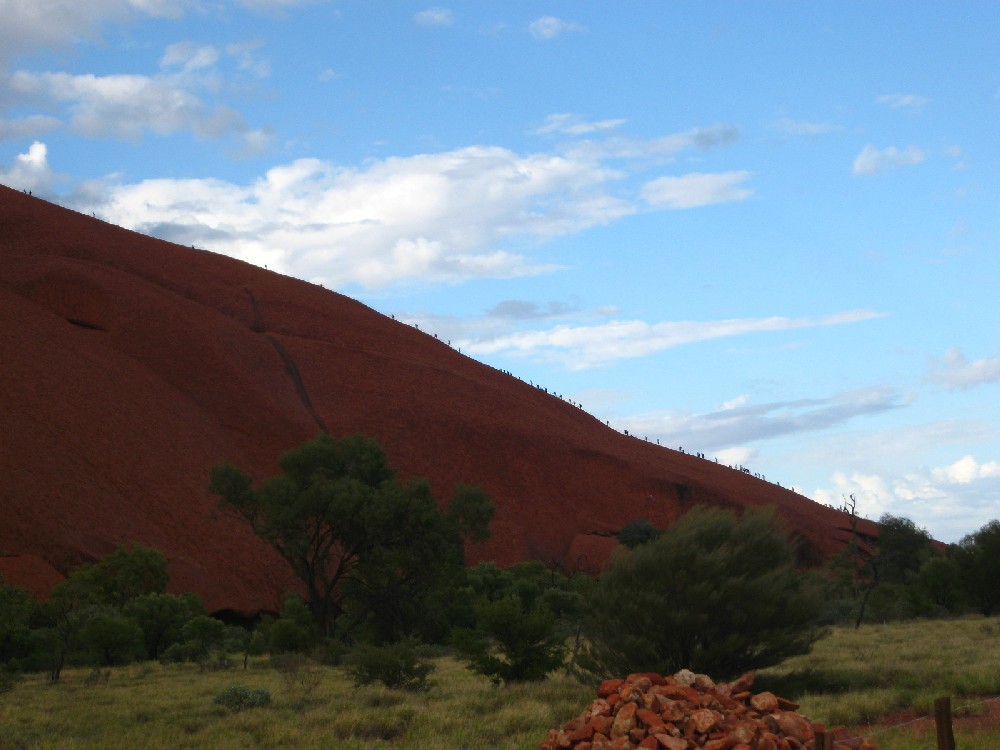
[[688, 711], [130, 366]]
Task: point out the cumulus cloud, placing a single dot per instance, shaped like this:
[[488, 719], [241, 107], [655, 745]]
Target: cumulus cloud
[[30, 170], [550, 27], [437, 217], [434, 17], [440, 216], [30, 25], [966, 469], [125, 106], [696, 189], [872, 160], [911, 102], [181, 97], [26, 127], [949, 501], [955, 372], [585, 346]]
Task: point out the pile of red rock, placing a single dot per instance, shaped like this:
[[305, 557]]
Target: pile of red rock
[[689, 711]]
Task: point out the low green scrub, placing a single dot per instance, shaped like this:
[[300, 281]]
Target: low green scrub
[[240, 698], [397, 665]]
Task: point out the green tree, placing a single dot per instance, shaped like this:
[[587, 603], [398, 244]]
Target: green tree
[[978, 558], [513, 641], [112, 639], [295, 630], [940, 580], [17, 608], [715, 593], [162, 617], [359, 540], [127, 573], [201, 636], [902, 548], [523, 617], [71, 605]]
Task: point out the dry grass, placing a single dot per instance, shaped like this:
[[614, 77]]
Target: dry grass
[[155, 706], [851, 677], [859, 677]]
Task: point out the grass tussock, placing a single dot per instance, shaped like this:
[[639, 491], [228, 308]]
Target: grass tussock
[[851, 678]]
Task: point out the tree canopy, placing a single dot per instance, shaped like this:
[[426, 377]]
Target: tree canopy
[[363, 544]]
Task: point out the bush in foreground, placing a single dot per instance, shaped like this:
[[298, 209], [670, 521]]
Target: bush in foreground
[[716, 593], [398, 665], [239, 698]]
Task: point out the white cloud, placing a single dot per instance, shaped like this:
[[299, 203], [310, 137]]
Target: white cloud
[[253, 143], [874, 495], [180, 98], [127, 105], [190, 56], [696, 189], [912, 102], [26, 127], [955, 372], [30, 170], [965, 470], [736, 456], [872, 160], [437, 217], [30, 25], [949, 501], [550, 27], [581, 347], [570, 124], [735, 403], [434, 17]]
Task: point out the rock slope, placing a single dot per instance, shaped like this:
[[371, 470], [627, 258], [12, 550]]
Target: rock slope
[[132, 365]]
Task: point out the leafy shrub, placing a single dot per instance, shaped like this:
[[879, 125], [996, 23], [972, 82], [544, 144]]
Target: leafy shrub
[[398, 665], [513, 642], [239, 698], [715, 593], [203, 639], [295, 631], [331, 651], [112, 639]]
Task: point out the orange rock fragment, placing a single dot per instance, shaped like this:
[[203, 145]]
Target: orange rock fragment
[[624, 720]]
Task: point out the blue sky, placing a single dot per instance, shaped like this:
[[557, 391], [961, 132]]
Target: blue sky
[[765, 231]]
